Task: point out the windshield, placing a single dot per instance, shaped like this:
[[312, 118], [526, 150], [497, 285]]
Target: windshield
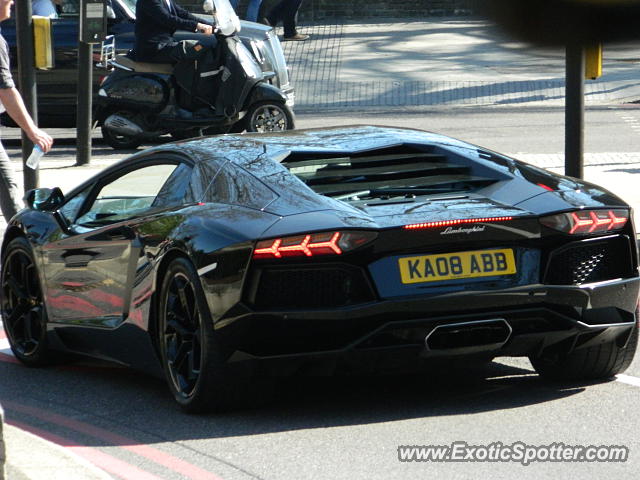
[[226, 19]]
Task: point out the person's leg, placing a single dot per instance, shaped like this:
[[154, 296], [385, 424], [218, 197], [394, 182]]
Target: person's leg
[[290, 16], [10, 200], [174, 53], [276, 13], [253, 10], [185, 53]]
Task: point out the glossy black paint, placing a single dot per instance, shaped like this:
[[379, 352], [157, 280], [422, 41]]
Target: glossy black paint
[[140, 92], [264, 91], [101, 283]]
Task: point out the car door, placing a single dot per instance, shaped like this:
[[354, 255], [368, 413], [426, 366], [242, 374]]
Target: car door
[[90, 272]]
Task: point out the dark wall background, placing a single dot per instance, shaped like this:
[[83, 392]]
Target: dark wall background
[[346, 9]]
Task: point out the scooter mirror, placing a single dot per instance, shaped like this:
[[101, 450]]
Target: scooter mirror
[[225, 16]]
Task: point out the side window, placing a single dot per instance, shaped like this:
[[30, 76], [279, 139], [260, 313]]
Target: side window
[[176, 189], [204, 174], [236, 186], [127, 196], [70, 209]]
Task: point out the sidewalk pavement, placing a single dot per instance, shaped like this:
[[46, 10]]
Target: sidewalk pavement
[[457, 61], [389, 64], [30, 457]]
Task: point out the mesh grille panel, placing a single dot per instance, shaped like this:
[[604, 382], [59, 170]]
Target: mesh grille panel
[[589, 262], [311, 288]]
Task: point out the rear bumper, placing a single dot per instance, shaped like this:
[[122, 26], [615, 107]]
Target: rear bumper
[[536, 316]]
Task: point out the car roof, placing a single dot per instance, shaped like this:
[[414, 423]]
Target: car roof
[[242, 148]]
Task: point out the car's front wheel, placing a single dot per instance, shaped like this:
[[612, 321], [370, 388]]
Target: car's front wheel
[[193, 362], [589, 363], [24, 314]]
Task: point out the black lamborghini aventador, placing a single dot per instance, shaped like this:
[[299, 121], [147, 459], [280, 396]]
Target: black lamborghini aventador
[[220, 260]]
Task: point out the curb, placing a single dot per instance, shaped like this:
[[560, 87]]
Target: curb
[[53, 461]]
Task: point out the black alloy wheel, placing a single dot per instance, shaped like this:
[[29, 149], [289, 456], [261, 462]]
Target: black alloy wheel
[[193, 365], [182, 340], [23, 311], [194, 361], [264, 117]]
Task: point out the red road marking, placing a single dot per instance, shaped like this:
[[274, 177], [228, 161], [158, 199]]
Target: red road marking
[[106, 462], [161, 458], [8, 358]]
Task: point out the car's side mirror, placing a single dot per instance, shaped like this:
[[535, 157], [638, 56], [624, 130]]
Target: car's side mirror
[[44, 199]]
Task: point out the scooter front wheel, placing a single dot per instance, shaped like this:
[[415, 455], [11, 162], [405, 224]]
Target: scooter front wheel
[[268, 117]]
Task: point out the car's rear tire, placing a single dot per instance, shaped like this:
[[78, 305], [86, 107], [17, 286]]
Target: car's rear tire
[[193, 360], [266, 117], [589, 363], [23, 311]]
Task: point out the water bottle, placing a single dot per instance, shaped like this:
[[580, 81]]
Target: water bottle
[[34, 158]]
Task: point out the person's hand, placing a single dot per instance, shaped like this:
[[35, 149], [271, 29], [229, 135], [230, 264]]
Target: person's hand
[[204, 28], [41, 138]]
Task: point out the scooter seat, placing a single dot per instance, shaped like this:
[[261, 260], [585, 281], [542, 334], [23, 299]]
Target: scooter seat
[[144, 67]]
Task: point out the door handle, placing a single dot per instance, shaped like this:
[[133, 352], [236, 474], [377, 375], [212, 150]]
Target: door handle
[[124, 232]]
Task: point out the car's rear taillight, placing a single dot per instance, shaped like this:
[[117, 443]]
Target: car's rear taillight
[[312, 244], [587, 221]]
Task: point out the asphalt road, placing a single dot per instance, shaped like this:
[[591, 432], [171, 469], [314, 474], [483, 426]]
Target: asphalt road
[[351, 428], [330, 428], [504, 129]]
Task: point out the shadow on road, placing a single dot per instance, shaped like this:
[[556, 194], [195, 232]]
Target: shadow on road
[[139, 409]]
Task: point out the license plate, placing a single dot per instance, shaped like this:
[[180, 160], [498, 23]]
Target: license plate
[[459, 265]]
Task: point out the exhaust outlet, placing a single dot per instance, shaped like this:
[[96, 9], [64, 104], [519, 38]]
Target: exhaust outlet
[[468, 337], [123, 126]]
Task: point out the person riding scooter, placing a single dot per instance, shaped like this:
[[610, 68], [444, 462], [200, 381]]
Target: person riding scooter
[[223, 90], [156, 22]]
